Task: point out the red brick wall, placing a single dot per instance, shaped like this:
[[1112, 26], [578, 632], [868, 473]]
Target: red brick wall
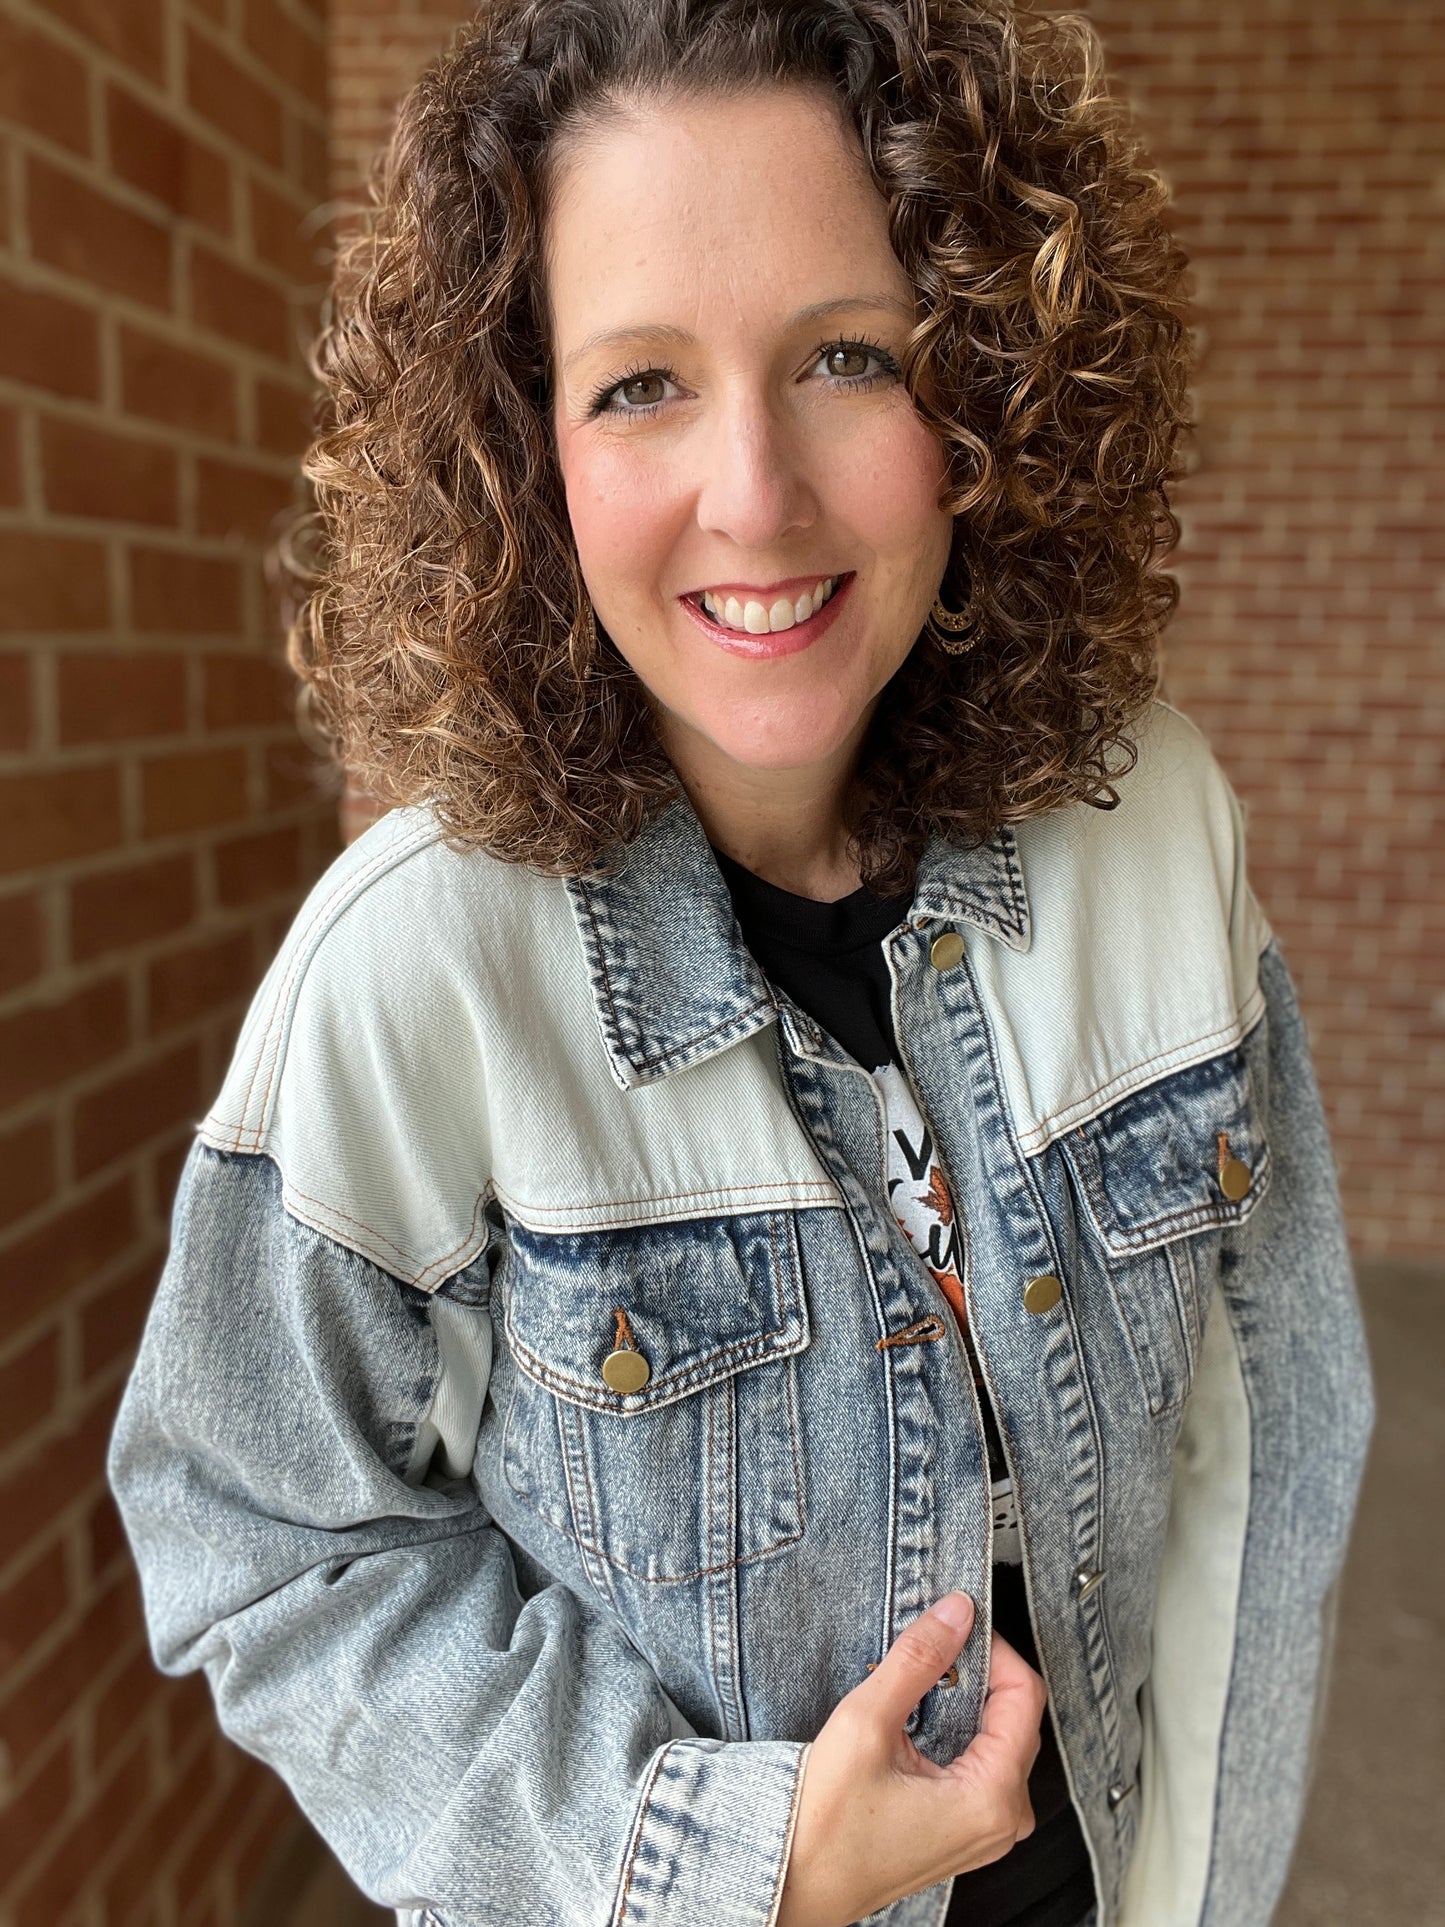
[[1303, 141], [157, 830]]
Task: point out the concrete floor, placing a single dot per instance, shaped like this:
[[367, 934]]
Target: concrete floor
[[1372, 1853]]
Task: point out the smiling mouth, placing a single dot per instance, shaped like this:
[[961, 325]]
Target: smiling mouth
[[748, 616], [785, 638]]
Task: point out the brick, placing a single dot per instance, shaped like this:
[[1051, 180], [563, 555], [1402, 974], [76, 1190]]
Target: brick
[[173, 593], [313, 153], [266, 864], [122, 1114], [43, 85], [51, 582], [105, 1541], [48, 815], [49, 341], [97, 238], [166, 1167], [196, 1870], [132, 30], [29, 1388], [154, 154], [22, 939], [293, 776], [186, 1715], [204, 977], [27, 1167], [115, 909], [30, 1604], [165, 382], [235, 103], [236, 500], [59, 1469], [48, 1892], [16, 718], [110, 1322], [278, 238], [283, 417], [123, 1704], [248, 691], [191, 792], [87, 471], [287, 49], [42, 1045], [130, 1884], [11, 486], [32, 1813], [233, 302], [121, 698]]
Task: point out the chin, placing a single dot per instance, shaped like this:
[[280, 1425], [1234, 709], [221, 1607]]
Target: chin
[[779, 747]]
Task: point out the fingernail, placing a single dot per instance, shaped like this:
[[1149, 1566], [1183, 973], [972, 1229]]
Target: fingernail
[[955, 1609]]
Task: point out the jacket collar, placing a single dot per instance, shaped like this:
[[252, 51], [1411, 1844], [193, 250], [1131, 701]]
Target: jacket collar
[[672, 981]]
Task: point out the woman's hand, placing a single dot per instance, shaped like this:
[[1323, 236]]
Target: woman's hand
[[876, 1819]]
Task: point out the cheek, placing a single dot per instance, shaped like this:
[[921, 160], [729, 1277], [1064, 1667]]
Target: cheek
[[619, 507], [892, 486]]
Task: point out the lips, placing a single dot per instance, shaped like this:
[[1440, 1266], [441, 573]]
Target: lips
[[781, 642]]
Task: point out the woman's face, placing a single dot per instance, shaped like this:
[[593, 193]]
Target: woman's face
[[727, 316]]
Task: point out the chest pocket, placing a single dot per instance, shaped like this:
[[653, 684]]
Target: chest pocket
[[1161, 1176], [698, 1468]]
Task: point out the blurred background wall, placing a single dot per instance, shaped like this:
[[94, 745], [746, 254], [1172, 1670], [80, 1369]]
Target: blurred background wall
[[157, 163], [165, 172]]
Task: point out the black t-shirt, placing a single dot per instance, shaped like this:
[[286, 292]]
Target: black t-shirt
[[829, 959]]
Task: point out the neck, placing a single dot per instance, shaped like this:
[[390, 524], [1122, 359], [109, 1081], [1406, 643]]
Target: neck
[[785, 825]]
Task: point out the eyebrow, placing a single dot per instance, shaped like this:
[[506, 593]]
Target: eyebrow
[[680, 338]]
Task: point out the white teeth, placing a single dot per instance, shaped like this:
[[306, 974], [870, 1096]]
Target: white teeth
[[756, 619]]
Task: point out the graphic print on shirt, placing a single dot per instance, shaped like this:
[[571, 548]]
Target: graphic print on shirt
[[922, 1205]]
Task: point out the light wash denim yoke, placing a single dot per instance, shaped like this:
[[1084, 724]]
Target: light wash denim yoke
[[528, 1648]]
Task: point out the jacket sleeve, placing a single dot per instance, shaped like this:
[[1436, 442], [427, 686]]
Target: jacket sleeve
[[291, 1460], [1267, 1469], [1287, 1289]]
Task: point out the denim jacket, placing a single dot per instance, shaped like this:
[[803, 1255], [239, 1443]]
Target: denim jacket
[[531, 1645]]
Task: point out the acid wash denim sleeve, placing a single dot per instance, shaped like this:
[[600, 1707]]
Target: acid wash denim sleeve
[[291, 1461], [1266, 1477]]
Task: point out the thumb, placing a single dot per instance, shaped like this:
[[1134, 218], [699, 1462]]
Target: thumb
[[918, 1659]]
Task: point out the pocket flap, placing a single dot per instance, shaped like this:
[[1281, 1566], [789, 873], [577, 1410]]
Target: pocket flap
[[703, 1298], [1164, 1161]]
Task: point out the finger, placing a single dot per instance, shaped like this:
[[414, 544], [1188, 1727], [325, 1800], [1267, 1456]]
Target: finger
[[916, 1661], [1007, 1740]]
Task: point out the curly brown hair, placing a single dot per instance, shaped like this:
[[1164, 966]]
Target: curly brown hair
[[445, 639]]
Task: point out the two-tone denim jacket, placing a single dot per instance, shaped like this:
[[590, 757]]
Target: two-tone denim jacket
[[530, 1648]]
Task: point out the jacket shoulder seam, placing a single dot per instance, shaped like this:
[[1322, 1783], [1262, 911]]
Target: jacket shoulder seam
[[304, 943]]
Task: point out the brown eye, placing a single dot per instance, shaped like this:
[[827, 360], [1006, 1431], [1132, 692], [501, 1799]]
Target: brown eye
[[640, 381], [844, 352]]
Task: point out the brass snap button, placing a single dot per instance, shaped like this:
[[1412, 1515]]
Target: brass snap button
[[1043, 1293], [1118, 1794], [1235, 1176], [1086, 1582], [945, 951], [626, 1371], [624, 1368]]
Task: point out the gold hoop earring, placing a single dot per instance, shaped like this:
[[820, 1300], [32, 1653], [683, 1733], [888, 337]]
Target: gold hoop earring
[[584, 659], [956, 631]]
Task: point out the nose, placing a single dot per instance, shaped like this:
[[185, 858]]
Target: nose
[[753, 486]]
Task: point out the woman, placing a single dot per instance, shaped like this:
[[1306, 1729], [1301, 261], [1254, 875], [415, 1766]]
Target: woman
[[776, 1202]]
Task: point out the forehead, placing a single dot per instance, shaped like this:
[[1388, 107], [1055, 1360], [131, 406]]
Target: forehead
[[695, 210]]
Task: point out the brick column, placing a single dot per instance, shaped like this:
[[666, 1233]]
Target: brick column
[[159, 823]]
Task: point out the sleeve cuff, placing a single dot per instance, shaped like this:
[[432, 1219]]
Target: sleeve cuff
[[712, 1835]]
